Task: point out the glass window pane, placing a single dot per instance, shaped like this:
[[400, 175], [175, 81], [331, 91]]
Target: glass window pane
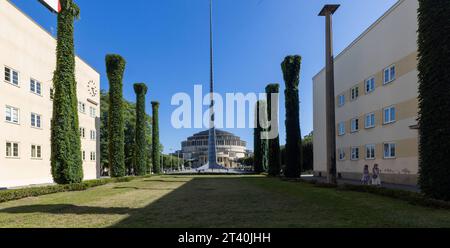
[[15, 78], [15, 150], [392, 114], [392, 73], [7, 74], [8, 149]]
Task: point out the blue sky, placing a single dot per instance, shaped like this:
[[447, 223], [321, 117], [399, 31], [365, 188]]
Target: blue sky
[[165, 43]]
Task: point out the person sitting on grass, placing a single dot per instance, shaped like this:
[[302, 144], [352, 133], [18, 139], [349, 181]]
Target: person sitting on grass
[[376, 180], [366, 176]]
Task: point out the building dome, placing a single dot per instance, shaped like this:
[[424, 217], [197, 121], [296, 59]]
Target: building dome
[[229, 148]]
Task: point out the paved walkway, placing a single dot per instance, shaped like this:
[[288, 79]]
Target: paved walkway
[[357, 182]]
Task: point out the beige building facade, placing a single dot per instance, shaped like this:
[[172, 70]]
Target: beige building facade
[[376, 87], [27, 63]]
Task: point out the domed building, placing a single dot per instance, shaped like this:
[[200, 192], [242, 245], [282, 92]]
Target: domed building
[[230, 148]]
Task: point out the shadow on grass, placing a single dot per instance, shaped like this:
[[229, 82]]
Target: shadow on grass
[[200, 202], [65, 209]]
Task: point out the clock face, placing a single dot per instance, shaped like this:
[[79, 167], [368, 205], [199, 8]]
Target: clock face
[[92, 88]]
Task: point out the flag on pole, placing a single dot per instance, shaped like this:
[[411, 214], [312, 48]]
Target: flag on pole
[[52, 5]]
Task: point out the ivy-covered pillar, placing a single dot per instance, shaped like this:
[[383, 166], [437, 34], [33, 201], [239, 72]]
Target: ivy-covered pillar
[[291, 72], [156, 153], [274, 158], [140, 142], [66, 161], [115, 67]]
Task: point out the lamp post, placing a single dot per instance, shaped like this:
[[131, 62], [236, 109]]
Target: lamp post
[[328, 11]]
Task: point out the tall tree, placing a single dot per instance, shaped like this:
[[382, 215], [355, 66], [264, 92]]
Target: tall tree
[[259, 153], [434, 98], [291, 72], [115, 67], [274, 157], [140, 154], [66, 161], [156, 152]]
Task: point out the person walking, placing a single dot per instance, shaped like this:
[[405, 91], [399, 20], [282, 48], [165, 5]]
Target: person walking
[[366, 176], [376, 180]]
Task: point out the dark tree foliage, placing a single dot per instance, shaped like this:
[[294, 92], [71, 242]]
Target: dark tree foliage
[[156, 152], [66, 161], [274, 156], [258, 162], [130, 122], [291, 72], [115, 67], [140, 147], [434, 98]]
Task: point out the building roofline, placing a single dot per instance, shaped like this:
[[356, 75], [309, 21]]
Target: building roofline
[[46, 31], [353, 43]]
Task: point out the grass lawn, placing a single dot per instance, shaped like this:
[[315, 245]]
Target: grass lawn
[[216, 201]]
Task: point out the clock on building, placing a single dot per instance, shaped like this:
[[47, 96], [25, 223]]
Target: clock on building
[[92, 88]]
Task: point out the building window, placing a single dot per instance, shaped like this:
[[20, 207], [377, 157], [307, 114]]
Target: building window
[[389, 74], [35, 87], [389, 115], [93, 156], [390, 150], [354, 93], [36, 151], [82, 107], [370, 120], [355, 125], [341, 128], [12, 114], [341, 100], [82, 132], [35, 120], [12, 149], [93, 112], [341, 153], [93, 135], [83, 153], [355, 153], [52, 92], [370, 85], [11, 76], [370, 152]]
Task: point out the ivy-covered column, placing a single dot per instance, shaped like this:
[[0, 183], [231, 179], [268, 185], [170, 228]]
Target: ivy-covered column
[[155, 139], [66, 161], [274, 157], [291, 71], [115, 67], [140, 147], [434, 98]]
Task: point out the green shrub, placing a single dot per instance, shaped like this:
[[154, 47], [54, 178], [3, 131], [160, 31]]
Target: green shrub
[[66, 161], [291, 73], [115, 67], [140, 142], [16, 194], [434, 98]]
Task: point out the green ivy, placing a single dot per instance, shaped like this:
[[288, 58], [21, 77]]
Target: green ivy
[[434, 97], [140, 154], [260, 143], [156, 153], [66, 161], [274, 157], [115, 67], [291, 72]]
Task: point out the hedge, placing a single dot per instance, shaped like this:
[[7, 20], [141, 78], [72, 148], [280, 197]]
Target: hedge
[[291, 73], [155, 139], [140, 142], [434, 97], [274, 154], [16, 194], [66, 161], [115, 67]]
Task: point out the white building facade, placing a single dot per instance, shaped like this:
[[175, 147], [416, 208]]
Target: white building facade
[[27, 63], [376, 87]]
